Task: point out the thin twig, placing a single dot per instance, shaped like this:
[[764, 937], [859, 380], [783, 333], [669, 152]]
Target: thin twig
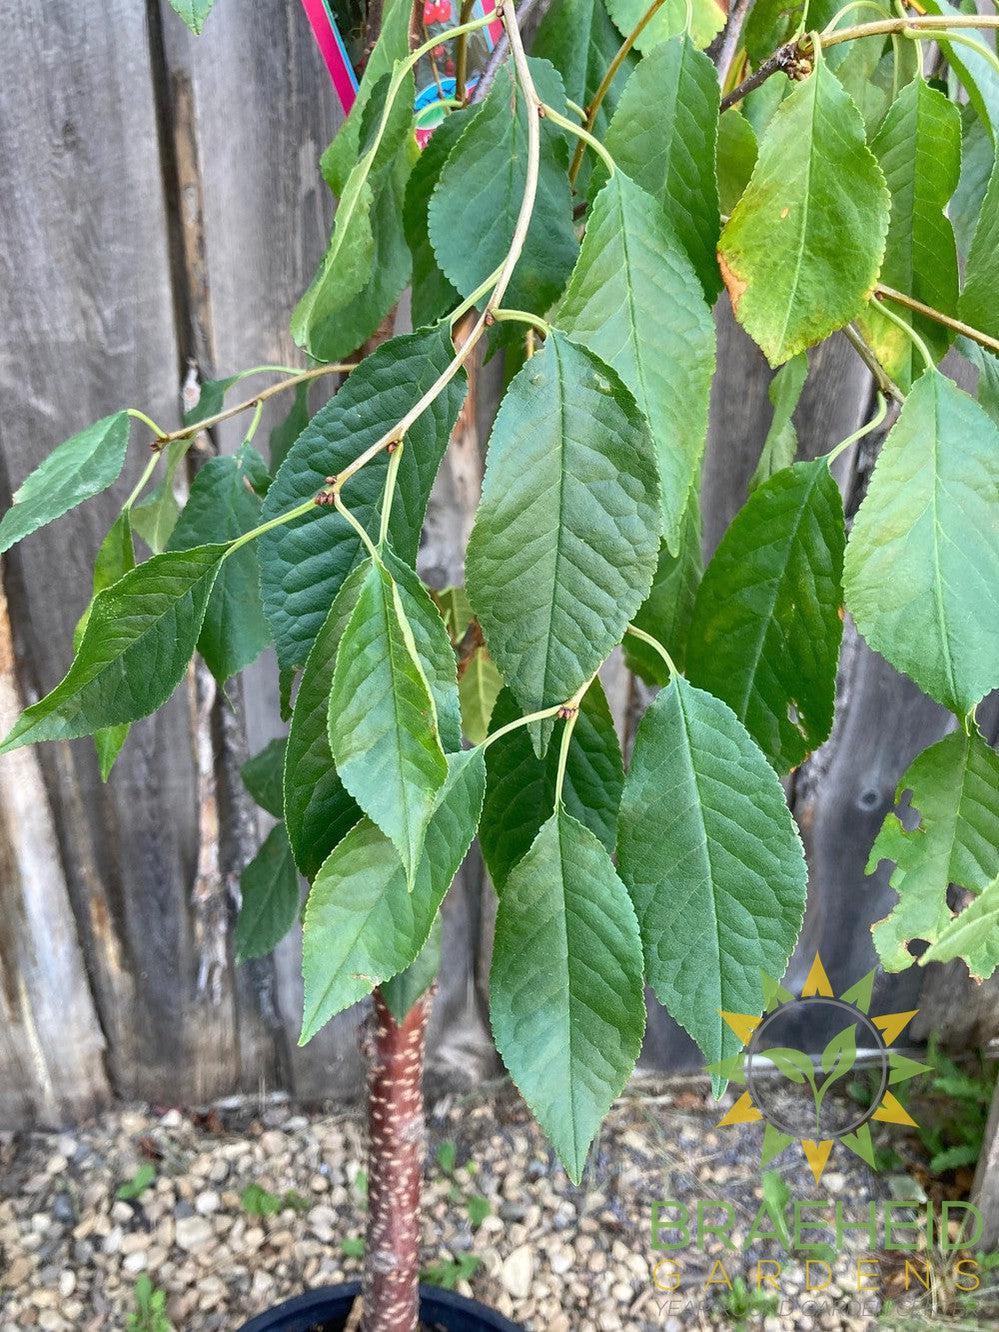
[[316, 372], [786, 59], [900, 298], [608, 79], [502, 48], [885, 383], [730, 42]]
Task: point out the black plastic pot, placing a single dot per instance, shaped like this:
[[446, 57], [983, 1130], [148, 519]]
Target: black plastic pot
[[326, 1310]]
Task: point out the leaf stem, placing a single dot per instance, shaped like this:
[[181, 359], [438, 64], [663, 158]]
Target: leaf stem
[[158, 431], [872, 424], [586, 139], [563, 753], [476, 296], [461, 54], [909, 332], [976, 335], [390, 479], [863, 349], [258, 412], [358, 527], [305, 507], [654, 643], [608, 79], [140, 485], [522, 721], [523, 317]]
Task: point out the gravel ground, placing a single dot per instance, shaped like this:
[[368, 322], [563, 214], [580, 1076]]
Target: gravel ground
[[553, 1257]]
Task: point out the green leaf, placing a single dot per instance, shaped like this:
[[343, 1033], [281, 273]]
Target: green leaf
[[713, 862], [954, 788], [361, 925], [769, 24], [392, 45], [565, 988], [976, 70], [663, 136], [478, 689], [193, 12], [433, 295], [839, 1055], [736, 156], [987, 389], [455, 609], [433, 647], [221, 507], [802, 250], [972, 935], [795, 1065], [283, 436], [708, 19], [919, 150], [635, 301], [78, 469], [921, 575], [475, 204], [579, 39], [269, 897], [349, 296], [155, 517], [566, 537], [781, 443], [115, 557], [766, 628], [317, 810], [977, 160], [137, 1185], [303, 563], [978, 299], [140, 636], [403, 991], [520, 787], [263, 776], [383, 722], [665, 613]]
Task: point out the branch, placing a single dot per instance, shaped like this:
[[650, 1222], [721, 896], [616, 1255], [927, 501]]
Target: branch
[[794, 57], [730, 42], [883, 293], [885, 383], [502, 48]]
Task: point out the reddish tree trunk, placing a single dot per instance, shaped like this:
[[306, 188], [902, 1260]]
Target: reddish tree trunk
[[395, 1169]]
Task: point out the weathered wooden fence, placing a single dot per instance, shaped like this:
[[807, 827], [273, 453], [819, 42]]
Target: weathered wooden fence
[[161, 209]]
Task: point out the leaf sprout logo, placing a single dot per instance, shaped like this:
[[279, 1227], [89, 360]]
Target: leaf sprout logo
[[797, 1104]]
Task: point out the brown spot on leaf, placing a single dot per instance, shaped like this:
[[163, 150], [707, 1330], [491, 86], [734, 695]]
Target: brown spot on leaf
[[733, 282]]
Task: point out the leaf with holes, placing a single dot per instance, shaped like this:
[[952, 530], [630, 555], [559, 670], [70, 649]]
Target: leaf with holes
[[954, 788], [663, 137], [634, 300], [973, 934], [565, 988], [566, 538], [766, 628], [269, 897], [383, 722], [303, 563], [713, 862], [78, 469], [221, 507], [475, 204], [139, 638], [520, 787], [919, 150], [362, 925], [801, 252], [921, 573]]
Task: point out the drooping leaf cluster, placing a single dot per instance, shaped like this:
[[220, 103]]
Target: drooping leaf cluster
[[420, 719]]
